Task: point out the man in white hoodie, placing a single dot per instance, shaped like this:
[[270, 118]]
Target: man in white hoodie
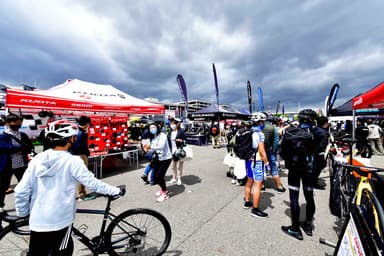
[[47, 192]]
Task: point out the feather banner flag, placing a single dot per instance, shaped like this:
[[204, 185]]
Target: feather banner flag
[[216, 84], [282, 109], [331, 98], [183, 89], [277, 107], [261, 101], [249, 92]]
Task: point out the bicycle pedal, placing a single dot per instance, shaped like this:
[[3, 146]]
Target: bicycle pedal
[[83, 228]]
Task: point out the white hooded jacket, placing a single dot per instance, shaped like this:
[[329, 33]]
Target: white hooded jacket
[[47, 191]]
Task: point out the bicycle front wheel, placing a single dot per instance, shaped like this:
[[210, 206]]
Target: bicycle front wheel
[[15, 242], [138, 232]]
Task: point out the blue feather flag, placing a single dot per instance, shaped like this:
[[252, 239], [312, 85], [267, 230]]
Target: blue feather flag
[[261, 101]]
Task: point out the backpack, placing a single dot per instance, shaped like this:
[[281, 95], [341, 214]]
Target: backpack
[[269, 134], [297, 146], [243, 144]]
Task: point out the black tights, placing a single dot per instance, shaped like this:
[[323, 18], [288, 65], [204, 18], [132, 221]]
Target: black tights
[[160, 168], [294, 177]]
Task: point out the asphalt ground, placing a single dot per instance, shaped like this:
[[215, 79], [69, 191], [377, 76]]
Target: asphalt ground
[[206, 213]]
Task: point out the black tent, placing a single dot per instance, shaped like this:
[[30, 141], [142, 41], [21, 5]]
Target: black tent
[[346, 110], [213, 112]]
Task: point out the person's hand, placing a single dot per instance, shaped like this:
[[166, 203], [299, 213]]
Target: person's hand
[[146, 147], [122, 191]]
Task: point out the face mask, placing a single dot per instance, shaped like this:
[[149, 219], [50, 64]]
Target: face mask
[[173, 126], [153, 131], [262, 127], [15, 127]]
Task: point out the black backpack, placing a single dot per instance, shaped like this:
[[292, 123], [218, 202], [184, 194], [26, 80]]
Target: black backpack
[[243, 144], [297, 146]]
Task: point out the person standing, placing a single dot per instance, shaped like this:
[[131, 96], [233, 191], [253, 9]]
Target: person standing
[[321, 136], [15, 146], [374, 138], [178, 140], [298, 159], [215, 134], [271, 145], [255, 171], [161, 158], [80, 148], [47, 192]]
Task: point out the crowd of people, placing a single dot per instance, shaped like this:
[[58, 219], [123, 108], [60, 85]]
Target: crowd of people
[[64, 162]]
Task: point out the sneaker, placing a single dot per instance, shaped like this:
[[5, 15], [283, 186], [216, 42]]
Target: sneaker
[[258, 213], [247, 205], [281, 189], [179, 182], [158, 193], [164, 196], [144, 178], [172, 181], [307, 228], [289, 230]]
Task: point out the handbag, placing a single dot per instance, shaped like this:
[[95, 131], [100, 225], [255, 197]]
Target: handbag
[[229, 160], [188, 153], [239, 169]]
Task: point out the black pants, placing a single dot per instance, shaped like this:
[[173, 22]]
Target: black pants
[[295, 175], [319, 164], [5, 180], [160, 169], [54, 243]]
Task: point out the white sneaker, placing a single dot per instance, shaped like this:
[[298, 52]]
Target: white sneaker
[[172, 181], [163, 197], [179, 181], [158, 193]]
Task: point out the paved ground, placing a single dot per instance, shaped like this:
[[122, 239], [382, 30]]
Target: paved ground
[[206, 212]]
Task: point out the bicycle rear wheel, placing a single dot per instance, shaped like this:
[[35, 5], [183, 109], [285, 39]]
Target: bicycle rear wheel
[[15, 242], [138, 232]]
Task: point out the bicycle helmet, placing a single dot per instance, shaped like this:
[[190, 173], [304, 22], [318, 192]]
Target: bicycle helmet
[[259, 116], [62, 129], [180, 153], [307, 116]]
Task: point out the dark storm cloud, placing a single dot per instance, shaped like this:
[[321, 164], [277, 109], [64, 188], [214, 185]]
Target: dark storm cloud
[[294, 50]]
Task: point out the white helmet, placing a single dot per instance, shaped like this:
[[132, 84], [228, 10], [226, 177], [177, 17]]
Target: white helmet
[[63, 128], [259, 116]]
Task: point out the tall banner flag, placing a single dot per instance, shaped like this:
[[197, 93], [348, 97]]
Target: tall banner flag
[[183, 89], [282, 109], [261, 101], [216, 84], [277, 107], [249, 92], [332, 97]]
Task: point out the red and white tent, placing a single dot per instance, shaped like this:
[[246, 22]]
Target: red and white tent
[[374, 98], [77, 95]]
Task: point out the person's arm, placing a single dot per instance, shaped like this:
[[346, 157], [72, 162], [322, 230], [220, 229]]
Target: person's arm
[[159, 143], [262, 153], [81, 173], [23, 192]]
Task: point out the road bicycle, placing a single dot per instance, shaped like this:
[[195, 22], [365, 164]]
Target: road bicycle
[[362, 213], [137, 231]]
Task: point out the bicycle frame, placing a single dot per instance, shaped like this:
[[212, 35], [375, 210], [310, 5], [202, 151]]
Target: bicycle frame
[[95, 245]]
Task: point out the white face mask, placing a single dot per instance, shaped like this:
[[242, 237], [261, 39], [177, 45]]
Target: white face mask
[[173, 126]]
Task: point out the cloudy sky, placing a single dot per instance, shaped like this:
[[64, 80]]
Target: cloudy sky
[[295, 50]]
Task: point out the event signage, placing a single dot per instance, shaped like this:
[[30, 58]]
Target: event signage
[[249, 92]]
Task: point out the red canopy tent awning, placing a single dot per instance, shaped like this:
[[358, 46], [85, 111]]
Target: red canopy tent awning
[[374, 98], [77, 95]]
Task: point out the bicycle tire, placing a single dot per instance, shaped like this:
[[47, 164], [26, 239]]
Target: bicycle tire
[[370, 202], [15, 241], [134, 232]]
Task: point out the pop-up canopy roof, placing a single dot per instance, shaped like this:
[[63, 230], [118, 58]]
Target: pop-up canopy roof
[[77, 95], [374, 98]]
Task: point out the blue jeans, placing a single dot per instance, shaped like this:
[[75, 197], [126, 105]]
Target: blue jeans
[[272, 159], [148, 170]]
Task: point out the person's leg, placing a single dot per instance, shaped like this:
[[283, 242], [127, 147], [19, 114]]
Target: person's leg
[[174, 170], [272, 159], [180, 166], [19, 172], [294, 190], [160, 171], [248, 185], [311, 208], [56, 243], [5, 178], [372, 144], [80, 188], [258, 177], [379, 144]]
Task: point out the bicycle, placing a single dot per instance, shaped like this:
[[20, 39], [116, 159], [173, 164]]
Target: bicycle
[[136, 231], [361, 208], [14, 237]]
